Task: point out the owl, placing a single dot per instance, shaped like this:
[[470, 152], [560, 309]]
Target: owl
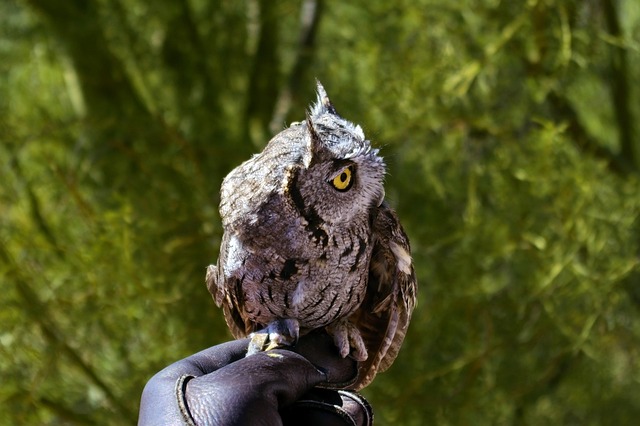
[[309, 242]]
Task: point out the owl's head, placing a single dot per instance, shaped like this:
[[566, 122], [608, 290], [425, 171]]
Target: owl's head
[[340, 176]]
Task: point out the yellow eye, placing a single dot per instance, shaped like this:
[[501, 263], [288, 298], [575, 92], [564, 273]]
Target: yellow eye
[[344, 179]]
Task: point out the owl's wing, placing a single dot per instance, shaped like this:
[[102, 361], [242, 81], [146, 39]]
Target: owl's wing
[[384, 315], [227, 293]]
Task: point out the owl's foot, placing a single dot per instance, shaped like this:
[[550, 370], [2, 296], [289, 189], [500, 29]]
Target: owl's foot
[[279, 333], [348, 339]]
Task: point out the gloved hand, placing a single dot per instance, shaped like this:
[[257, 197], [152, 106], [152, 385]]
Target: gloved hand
[[220, 386]]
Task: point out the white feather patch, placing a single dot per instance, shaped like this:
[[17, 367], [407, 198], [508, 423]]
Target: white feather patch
[[298, 294], [234, 256], [402, 256]]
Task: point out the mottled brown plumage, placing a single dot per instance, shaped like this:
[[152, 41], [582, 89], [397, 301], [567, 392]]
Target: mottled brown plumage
[[309, 243]]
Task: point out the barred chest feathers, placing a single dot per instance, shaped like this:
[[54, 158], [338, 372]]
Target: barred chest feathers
[[316, 285]]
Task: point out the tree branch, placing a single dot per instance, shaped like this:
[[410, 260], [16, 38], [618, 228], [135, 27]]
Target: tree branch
[[309, 22], [67, 413], [117, 119], [40, 314], [582, 139], [262, 90], [34, 206], [620, 87], [105, 84]]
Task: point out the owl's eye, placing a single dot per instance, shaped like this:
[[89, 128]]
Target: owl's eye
[[343, 180]]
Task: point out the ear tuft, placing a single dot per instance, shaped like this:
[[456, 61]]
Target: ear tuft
[[314, 143], [323, 104]]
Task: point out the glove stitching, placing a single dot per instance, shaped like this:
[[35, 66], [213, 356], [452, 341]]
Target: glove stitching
[[181, 387]]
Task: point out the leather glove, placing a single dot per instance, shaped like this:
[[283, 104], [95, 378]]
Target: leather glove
[[220, 386]]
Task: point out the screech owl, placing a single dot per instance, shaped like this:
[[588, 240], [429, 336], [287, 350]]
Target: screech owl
[[309, 242]]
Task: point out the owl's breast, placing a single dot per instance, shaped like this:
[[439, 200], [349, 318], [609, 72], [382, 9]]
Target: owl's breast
[[337, 282], [315, 283]]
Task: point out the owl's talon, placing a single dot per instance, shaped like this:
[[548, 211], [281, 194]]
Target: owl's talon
[[359, 352], [348, 340], [257, 342], [279, 333]]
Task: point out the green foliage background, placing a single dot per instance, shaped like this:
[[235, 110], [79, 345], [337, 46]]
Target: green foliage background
[[512, 139]]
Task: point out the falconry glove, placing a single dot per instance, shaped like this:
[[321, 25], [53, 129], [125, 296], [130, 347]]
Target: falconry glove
[[220, 386]]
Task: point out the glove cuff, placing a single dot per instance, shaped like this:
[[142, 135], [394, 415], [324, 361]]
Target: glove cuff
[[181, 396], [326, 407], [353, 402]]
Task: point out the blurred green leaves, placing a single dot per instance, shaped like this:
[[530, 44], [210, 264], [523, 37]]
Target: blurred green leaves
[[511, 138]]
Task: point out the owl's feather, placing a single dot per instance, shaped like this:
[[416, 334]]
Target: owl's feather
[[385, 312], [308, 240]]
